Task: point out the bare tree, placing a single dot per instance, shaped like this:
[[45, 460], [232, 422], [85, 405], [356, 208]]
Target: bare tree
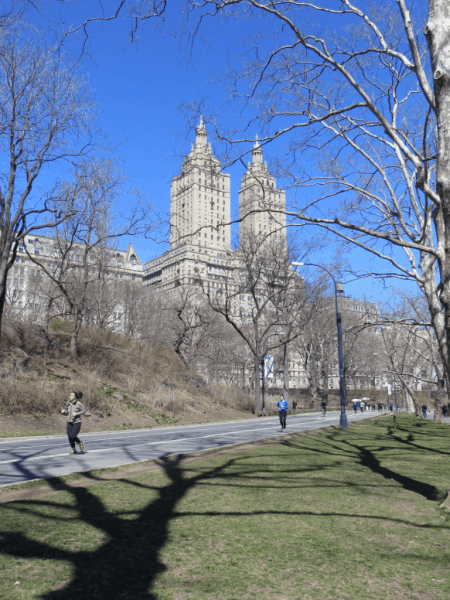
[[46, 114], [411, 348], [316, 348], [81, 255], [130, 295], [262, 299], [362, 91], [189, 324]]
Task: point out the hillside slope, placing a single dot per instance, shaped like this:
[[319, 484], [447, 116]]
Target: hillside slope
[[123, 384]]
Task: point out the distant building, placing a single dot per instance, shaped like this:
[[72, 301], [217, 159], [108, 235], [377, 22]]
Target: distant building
[[261, 205], [28, 283], [200, 218]]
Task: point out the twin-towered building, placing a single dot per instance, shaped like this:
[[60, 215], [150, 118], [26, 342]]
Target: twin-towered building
[[201, 219], [200, 233]]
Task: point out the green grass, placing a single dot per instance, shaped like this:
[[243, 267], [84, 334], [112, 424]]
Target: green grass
[[343, 514]]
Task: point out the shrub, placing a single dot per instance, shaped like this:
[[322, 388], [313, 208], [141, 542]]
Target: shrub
[[60, 324]]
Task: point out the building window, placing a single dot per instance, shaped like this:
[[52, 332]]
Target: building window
[[36, 250], [20, 248]]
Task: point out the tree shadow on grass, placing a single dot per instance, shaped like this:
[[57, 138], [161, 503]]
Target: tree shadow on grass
[[127, 564], [339, 445]]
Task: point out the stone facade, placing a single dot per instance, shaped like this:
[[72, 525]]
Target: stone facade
[[26, 290], [200, 218], [200, 199], [261, 205]]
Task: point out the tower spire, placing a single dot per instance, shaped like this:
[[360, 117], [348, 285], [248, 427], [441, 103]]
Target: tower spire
[[201, 134], [257, 153]]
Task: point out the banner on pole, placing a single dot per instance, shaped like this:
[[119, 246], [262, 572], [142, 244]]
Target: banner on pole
[[268, 366], [389, 388]]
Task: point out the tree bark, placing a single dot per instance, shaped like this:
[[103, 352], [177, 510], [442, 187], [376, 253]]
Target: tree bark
[[436, 31], [286, 372], [257, 379], [5, 251]]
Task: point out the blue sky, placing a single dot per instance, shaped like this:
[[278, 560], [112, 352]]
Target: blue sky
[[140, 88]]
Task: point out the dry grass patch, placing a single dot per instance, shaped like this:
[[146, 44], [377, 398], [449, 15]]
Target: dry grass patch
[[129, 384]]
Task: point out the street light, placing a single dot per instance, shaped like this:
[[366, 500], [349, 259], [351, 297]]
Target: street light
[[338, 288]]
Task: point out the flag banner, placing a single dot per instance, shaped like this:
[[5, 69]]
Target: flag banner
[[268, 366]]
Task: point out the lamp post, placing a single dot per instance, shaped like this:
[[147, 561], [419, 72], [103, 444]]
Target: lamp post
[[338, 288], [263, 376]]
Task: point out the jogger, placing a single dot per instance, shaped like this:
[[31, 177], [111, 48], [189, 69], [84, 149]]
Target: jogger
[[74, 409], [282, 407]]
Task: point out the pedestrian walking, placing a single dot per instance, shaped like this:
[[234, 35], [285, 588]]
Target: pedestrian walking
[[391, 406], [380, 407], [444, 410], [324, 408], [424, 411], [74, 409], [282, 408], [355, 407], [362, 405]]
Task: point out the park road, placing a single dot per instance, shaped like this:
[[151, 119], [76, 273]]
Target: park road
[[26, 459]]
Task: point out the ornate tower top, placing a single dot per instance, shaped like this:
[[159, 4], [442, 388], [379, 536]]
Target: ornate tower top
[[201, 134], [257, 153]]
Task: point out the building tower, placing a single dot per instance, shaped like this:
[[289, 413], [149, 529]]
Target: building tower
[[200, 199], [258, 197]]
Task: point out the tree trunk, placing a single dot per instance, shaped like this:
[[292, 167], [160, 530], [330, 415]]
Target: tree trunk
[[74, 345], [47, 336], [257, 378], [440, 399], [76, 319], [3, 285], [313, 384], [409, 402], [436, 31], [4, 258], [326, 383], [286, 372]]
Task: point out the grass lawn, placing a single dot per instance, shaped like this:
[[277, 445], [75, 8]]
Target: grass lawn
[[342, 514]]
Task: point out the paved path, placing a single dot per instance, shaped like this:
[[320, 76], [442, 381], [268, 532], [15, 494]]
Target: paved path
[[25, 459]]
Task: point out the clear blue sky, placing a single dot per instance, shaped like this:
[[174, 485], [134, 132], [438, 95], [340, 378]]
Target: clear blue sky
[[140, 88]]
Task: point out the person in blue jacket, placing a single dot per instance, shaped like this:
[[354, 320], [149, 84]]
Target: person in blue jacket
[[282, 408]]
